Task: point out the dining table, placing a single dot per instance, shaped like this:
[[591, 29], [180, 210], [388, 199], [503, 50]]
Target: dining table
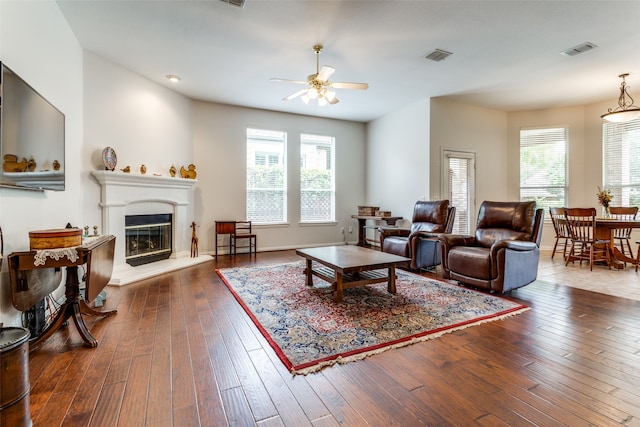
[[605, 229]]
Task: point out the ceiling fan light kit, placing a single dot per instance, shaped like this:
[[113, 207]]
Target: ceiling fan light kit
[[625, 111], [318, 85]]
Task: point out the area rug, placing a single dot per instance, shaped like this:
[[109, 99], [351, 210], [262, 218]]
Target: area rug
[[309, 331]]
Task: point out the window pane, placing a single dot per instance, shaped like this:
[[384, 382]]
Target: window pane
[[266, 176], [543, 166], [621, 145], [317, 180]]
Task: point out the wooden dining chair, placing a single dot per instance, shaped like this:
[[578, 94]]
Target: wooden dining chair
[[622, 236], [560, 228], [581, 223], [242, 231]]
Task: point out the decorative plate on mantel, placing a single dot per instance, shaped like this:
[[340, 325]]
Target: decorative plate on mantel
[[109, 158]]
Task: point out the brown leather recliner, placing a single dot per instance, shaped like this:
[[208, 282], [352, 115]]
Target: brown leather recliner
[[420, 242], [504, 253]]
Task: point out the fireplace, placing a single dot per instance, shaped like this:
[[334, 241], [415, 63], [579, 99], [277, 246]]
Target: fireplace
[[147, 238], [127, 194]]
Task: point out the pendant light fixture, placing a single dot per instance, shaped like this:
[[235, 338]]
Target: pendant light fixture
[[625, 111]]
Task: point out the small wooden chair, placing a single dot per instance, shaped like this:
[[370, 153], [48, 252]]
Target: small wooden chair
[[242, 231], [581, 223], [622, 236], [560, 228]]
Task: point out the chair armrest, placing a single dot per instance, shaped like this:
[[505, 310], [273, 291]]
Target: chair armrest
[[451, 240], [515, 245], [394, 231]]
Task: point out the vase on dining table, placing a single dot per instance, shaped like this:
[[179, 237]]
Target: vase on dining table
[[606, 213]]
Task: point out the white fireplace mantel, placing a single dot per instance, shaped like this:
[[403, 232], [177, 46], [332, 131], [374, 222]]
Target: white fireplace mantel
[[125, 194]]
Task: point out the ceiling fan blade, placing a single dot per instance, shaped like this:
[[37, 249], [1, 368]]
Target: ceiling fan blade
[[349, 85], [289, 81], [294, 95], [325, 73]]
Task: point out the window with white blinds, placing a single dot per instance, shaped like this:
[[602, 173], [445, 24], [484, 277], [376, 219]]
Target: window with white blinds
[[458, 182], [621, 157], [317, 178], [266, 176], [543, 166]]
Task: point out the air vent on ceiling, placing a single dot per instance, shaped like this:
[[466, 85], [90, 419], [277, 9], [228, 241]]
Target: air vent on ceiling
[[438, 55], [584, 47], [239, 3]]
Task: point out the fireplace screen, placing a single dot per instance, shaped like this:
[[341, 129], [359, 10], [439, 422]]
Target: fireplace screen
[[148, 238]]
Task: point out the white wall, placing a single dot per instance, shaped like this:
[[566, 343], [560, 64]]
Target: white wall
[[398, 161], [220, 158], [37, 44], [143, 121], [456, 126]]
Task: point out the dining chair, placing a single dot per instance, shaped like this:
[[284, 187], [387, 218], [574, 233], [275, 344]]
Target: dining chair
[[560, 228], [581, 223], [242, 231], [622, 236]]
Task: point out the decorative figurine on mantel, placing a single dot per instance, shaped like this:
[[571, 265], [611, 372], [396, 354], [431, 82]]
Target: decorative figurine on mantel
[[126, 169], [143, 169], [190, 173], [172, 171], [11, 163], [31, 165], [194, 241], [56, 165]]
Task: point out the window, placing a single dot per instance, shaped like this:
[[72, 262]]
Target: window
[[621, 146], [266, 176], [459, 168], [317, 178], [543, 166]]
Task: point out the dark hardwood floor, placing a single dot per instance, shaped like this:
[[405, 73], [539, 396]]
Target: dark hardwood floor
[[182, 352]]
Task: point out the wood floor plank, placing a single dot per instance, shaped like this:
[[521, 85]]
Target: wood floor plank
[[107, 409], [134, 402]]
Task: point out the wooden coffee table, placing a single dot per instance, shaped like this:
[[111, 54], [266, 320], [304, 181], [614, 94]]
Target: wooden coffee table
[[348, 266]]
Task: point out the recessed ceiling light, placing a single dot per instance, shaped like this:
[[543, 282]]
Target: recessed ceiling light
[[173, 78]]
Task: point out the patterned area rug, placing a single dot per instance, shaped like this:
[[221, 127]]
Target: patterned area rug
[[309, 331]]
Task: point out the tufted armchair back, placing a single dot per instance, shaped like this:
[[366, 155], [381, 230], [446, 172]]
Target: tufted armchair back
[[431, 216], [507, 221]]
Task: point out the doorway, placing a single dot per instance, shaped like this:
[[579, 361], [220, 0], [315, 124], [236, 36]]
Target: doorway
[[458, 185]]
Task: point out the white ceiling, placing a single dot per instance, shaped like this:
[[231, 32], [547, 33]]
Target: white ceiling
[[506, 54]]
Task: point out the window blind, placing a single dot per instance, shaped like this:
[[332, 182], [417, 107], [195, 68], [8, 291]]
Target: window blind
[[621, 162], [543, 166], [266, 176], [317, 178], [461, 169]]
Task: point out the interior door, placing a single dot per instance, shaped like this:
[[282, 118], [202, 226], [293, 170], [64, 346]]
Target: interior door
[[458, 185]]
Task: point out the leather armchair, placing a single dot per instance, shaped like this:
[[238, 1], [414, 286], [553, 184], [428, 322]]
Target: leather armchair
[[420, 242], [504, 252]]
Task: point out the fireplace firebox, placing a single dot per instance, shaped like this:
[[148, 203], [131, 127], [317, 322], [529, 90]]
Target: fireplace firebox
[[147, 238]]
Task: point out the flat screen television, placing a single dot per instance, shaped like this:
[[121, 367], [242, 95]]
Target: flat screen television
[[32, 137]]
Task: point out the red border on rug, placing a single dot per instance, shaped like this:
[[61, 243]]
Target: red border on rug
[[285, 360]]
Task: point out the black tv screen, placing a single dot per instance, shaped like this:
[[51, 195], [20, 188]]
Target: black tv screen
[[32, 137]]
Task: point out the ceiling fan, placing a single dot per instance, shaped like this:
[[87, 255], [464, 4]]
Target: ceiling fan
[[318, 84]]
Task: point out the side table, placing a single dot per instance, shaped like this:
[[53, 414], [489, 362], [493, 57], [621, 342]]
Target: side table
[[97, 254], [362, 220]]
